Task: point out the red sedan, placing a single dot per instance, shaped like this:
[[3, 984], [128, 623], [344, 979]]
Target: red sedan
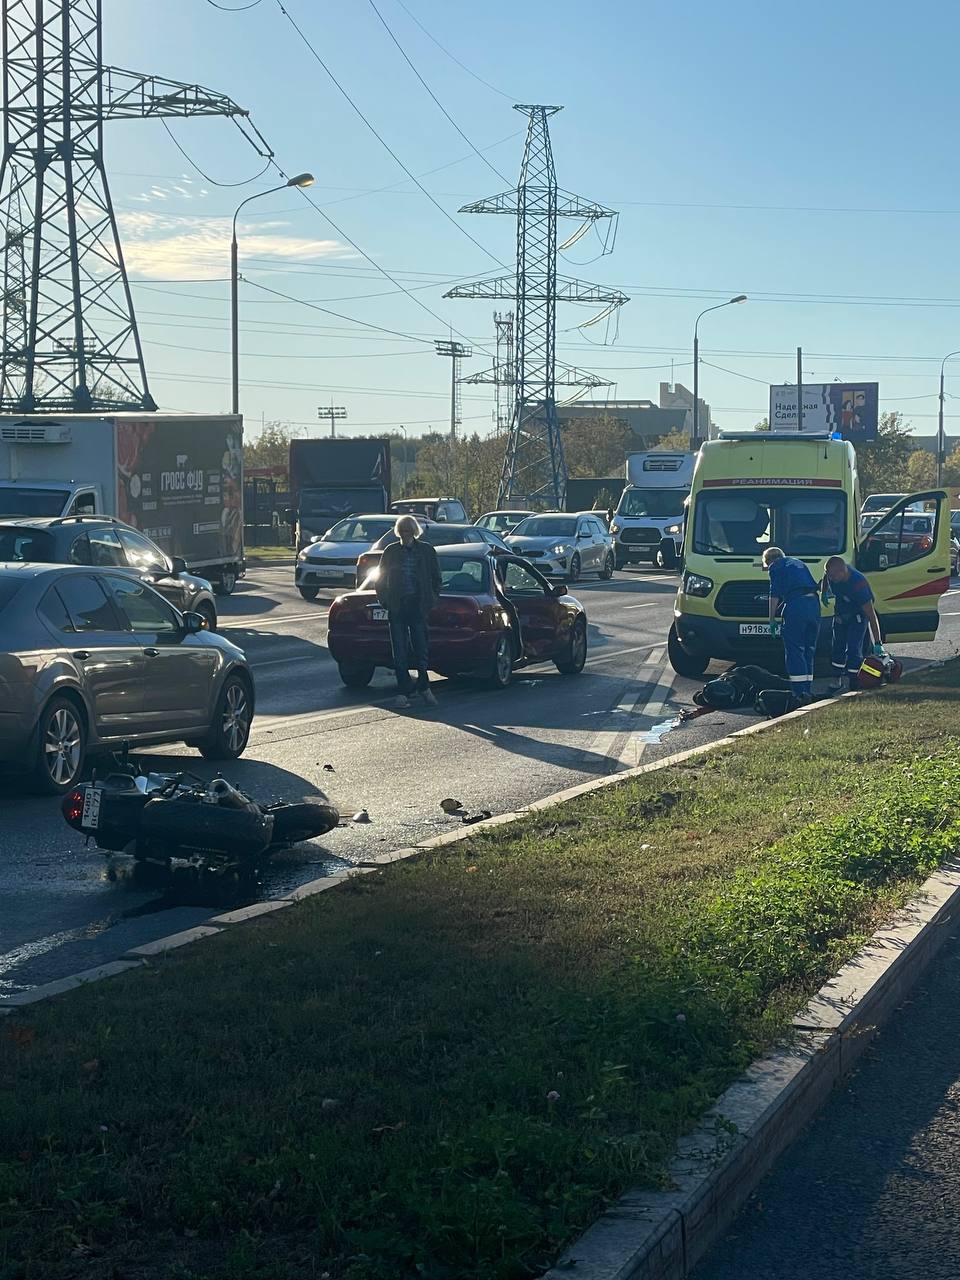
[[495, 614]]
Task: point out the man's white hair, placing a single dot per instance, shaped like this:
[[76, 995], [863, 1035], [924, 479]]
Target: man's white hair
[[407, 524]]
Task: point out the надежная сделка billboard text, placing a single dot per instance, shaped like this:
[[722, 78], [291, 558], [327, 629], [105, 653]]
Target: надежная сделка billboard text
[[850, 408]]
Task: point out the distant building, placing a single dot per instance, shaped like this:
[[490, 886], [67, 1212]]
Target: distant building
[[649, 422]]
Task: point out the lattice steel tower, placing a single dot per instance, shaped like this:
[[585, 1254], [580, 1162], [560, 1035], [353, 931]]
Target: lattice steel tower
[[74, 345], [534, 466]]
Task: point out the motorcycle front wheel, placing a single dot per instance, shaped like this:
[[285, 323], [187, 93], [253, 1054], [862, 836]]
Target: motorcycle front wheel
[[295, 822]]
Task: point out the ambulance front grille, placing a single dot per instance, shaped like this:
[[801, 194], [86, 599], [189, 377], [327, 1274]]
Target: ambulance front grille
[[743, 600]]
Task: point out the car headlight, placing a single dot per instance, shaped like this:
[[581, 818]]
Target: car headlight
[[673, 528], [615, 526], [560, 549], [697, 584], [302, 556]]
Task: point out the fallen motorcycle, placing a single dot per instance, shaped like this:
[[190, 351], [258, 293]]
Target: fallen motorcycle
[[156, 817]]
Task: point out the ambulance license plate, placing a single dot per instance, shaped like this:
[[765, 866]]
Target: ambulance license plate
[[754, 628], [91, 808], [378, 615]]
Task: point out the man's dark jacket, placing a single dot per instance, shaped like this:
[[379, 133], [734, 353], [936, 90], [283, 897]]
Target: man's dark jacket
[[390, 579]]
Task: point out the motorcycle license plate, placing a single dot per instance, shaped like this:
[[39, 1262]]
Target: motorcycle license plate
[[91, 808], [378, 615], [754, 628]]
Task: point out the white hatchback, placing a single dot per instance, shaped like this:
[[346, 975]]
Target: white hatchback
[[331, 560], [564, 545]]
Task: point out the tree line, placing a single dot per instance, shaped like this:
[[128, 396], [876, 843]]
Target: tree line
[[469, 468]]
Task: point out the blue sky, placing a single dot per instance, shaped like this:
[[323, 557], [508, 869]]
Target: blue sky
[[798, 154]]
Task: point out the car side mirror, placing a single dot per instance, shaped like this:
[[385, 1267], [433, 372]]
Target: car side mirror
[[194, 623], [179, 565], [558, 589]]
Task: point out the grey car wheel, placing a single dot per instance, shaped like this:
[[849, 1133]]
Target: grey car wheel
[[574, 573], [232, 719], [61, 747], [226, 583]]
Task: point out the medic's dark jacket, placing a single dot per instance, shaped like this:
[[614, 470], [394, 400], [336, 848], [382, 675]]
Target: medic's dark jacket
[[851, 596]]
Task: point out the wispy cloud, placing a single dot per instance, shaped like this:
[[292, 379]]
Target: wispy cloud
[[173, 246]]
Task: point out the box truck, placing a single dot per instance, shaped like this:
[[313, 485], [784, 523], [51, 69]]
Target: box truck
[[179, 478], [331, 479], [648, 523]]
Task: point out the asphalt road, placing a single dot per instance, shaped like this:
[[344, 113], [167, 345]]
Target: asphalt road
[[66, 908], [870, 1192]]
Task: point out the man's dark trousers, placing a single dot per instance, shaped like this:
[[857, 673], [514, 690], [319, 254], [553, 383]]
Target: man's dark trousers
[[408, 638]]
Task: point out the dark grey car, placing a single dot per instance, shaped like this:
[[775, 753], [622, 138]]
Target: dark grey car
[[107, 543], [90, 659]]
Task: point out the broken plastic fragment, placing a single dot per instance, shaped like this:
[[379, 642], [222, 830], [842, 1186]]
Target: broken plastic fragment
[[360, 816]]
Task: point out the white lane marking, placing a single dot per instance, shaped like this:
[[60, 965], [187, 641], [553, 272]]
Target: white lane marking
[[284, 662], [605, 741], [606, 657], [253, 624], [648, 605], [634, 748]]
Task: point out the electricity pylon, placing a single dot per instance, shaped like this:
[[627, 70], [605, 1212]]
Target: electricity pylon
[[78, 348], [533, 467]]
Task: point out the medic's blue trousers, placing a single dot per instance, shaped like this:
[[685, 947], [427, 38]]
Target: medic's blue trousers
[[848, 637], [801, 627]]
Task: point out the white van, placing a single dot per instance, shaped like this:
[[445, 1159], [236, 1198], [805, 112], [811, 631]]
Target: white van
[[648, 522]]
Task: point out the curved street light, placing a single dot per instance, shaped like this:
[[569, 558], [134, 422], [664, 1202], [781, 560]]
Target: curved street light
[[301, 180], [741, 297]]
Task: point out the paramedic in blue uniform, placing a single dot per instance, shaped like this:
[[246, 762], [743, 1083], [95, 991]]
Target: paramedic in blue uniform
[[793, 589], [853, 613]]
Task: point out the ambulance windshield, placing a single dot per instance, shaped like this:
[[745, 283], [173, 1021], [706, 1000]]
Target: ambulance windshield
[[739, 522]]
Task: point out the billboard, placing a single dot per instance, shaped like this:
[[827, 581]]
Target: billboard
[[850, 408]]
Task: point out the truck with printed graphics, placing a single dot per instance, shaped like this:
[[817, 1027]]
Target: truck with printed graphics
[[648, 522], [176, 477]]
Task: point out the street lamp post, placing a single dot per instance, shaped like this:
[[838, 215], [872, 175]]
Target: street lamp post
[[941, 443], [301, 180], [741, 297], [406, 457]]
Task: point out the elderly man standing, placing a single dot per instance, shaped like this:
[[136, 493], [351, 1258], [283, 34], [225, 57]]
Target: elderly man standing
[[793, 589], [408, 586]]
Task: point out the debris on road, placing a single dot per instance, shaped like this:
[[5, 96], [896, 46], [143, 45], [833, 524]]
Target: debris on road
[[451, 806], [469, 818], [328, 768], [360, 816]]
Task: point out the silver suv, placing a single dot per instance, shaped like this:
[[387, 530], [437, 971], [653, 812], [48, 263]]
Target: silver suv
[[92, 658]]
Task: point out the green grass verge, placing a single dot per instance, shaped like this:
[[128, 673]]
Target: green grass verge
[[445, 1070], [270, 555]]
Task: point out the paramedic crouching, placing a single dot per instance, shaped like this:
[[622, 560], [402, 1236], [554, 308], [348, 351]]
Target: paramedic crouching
[[793, 589], [853, 613]]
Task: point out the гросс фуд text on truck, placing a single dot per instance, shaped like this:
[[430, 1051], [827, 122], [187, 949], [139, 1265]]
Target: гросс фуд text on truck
[[177, 478]]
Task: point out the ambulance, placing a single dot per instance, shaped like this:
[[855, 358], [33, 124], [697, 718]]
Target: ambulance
[[755, 490]]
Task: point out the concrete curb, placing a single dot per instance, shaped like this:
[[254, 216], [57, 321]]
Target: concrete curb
[[663, 1235]]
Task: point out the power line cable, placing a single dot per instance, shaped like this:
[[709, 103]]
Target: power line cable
[[380, 138], [453, 58], [232, 8], [314, 306], [305, 194], [403, 53], [213, 181]]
